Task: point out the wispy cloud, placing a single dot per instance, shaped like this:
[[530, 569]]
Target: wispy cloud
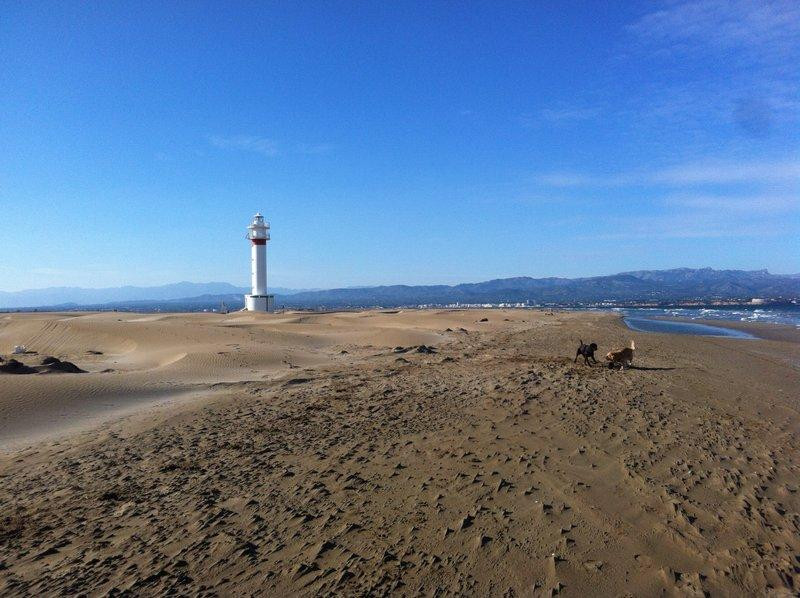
[[684, 207], [714, 173], [750, 25], [757, 103], [752, 204], [752, 47], [314, 148], [701, 200], [578, 179], [558, 116], [702, 173], [679, 226], [266, 146], [249, 143]]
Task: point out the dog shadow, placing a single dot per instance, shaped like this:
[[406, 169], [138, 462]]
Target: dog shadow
[[649, 369]]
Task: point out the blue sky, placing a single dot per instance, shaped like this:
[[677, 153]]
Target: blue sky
[[395, 142]]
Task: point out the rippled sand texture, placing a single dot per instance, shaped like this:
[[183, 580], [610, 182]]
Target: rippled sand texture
[[314, 459]]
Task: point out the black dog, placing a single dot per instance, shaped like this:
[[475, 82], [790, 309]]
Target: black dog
[[587, 351]]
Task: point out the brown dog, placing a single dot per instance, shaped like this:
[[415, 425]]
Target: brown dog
[[623, 357]]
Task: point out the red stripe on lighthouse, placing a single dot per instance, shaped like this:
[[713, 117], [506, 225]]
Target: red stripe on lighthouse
[[259, 241]]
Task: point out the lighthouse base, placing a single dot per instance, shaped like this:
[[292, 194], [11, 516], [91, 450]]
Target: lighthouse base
[[259, 302]]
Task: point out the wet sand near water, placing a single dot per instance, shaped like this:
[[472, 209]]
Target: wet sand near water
[[763, 330]]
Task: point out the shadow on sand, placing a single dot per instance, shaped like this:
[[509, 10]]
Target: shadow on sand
[[639, 367]]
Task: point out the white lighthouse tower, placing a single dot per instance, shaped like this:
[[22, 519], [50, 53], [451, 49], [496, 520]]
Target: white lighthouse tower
[[258, 233]]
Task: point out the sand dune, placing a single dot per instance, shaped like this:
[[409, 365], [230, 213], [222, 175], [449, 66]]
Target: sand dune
[[300, 454], [144, 360]]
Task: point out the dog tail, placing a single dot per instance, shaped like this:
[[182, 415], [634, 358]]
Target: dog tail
[[633, 346], [581, 341]]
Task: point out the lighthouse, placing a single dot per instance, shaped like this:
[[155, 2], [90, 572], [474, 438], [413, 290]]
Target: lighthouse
[[258, 234]]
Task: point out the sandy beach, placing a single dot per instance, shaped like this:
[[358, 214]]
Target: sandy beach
[[324, 453]]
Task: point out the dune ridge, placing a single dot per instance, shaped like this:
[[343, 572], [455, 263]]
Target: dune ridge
[[318, 459]]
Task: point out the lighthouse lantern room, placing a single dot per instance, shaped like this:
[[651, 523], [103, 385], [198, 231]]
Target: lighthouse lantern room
[[258, 234]]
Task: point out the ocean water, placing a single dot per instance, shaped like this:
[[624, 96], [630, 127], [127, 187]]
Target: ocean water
[[789, 315], [673, 327]]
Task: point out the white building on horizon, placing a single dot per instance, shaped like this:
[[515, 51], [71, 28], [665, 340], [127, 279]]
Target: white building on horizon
[[258, 299]]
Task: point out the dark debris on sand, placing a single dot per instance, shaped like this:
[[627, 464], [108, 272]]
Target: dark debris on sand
[[12, 366], [426, 349], [48, 365]]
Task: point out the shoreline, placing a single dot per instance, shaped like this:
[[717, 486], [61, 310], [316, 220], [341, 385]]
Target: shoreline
[[761, 330]]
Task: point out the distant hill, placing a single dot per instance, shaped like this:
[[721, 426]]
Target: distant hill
[[646, 285], [81, 296]]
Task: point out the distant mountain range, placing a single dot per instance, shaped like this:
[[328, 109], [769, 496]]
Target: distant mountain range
[[79, 296], [663, 286], [646, 285]]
